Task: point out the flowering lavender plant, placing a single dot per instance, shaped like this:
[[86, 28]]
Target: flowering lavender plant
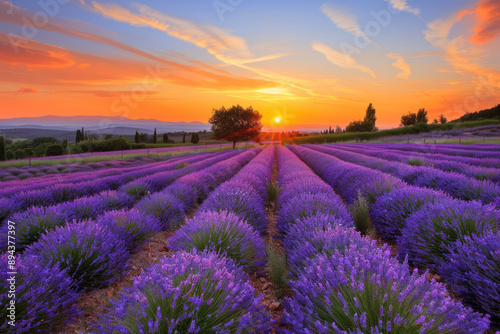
[[434, 227], [197, 292], [472, 268], [91, 254], [45, 297], [225, 233], [168, 209], [367, 291], [389, 212], [133, 226]]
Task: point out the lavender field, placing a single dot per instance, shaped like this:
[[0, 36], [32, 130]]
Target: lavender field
[[333, 238]]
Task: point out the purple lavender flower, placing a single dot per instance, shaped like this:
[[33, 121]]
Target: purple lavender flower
[[200, 291], [168, 209], [45, 297], [92, 254], [434, 227], [225, 233], [132, 226]]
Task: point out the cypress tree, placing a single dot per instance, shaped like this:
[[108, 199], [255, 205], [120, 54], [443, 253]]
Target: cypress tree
[[2, 149], [78, 136], [165, 138], [183, 137], [154, 137], [136, 138]]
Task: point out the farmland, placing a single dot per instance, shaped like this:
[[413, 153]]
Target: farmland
[[329, 238]]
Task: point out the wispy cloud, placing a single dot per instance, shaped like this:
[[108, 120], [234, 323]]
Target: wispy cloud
[[340, 59], [27, 90], [401, 64], [402, 5], [487, 14], [343, 19]]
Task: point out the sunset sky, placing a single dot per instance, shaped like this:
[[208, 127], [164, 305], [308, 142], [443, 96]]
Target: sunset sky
[[306, 62]]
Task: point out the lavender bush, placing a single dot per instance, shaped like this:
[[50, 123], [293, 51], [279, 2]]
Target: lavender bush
[[197, 292], [472, 267], [225, 233], [132, 226], [433, 228], [91, 254], [367, 291], [168, 209], [389, 212], [45, 297]]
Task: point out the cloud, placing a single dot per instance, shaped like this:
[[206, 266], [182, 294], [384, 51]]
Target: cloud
[[402, 5], [32, 57], [401, 64], [343, 19], [340, 59], [27, 90], [487, 13]]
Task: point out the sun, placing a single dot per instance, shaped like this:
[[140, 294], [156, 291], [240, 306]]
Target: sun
[[277, 120]]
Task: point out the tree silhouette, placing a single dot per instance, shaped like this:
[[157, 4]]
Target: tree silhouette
[[154, 137], [236, 124], [165, 138]]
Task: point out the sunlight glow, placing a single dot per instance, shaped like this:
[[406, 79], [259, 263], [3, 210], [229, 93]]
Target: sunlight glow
[[277, 120]]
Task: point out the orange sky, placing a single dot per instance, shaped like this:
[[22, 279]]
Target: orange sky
[[175, 63]]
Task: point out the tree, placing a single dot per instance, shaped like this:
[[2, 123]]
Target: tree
[[236, 124], [442, 119], [195, 139], [183, 137], [78, 137], [143, 137], [367, 125], [65, 143], [155, 140], [422, 116], [409, 119], [2, 149], [54, 149], [165, 138], [137, 139], [338, 129], [435, 121], [370, 119], [330, 129]]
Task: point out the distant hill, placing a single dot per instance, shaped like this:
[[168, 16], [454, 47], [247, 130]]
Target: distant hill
[[100, 124], [31, 133], [492, 113]]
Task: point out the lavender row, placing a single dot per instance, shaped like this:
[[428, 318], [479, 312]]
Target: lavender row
[[86, 255], [88, 183], [474, 147], [437, 149], [427, 225], [456, 185], [479, 173], [221, 232], [344, 283], [35, 221]]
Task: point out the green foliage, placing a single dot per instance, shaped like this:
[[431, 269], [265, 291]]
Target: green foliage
[[492, 113], [409, 119], [78, 137], [113, 144], [422, 116], [277, 271], [55, 149], [44, 140], [272, 192], [236, 124], [165, 138], [183, 137], [360, 213], [412, 161], [65, 144], [195, 139], [155, 138], [137, 139], [367, 125], [442, 119], [2, 149], [181, 165]]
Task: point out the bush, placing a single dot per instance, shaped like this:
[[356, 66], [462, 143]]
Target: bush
[[54, 150], [31, 224], [278, 271], [240, 199], [132, 226], [92, 255], [318, 235], [3, 156], [225, 233], [359, 211], [390, 211], [167, 208], [272, 192], [197, 292], [307, 205], [472, 268], [136, 189], [368, 291], [45, 297], [430, 231]]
